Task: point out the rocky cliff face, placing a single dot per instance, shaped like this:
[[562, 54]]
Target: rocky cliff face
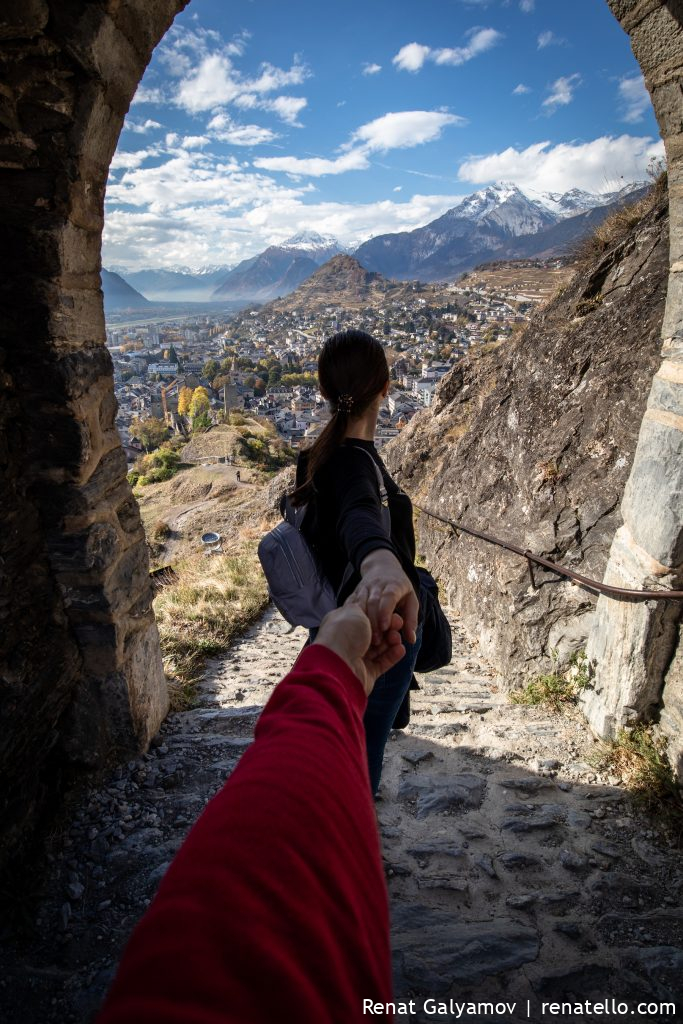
[[533, 442]]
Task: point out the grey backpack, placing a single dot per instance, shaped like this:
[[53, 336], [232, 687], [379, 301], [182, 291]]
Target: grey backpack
[[297, 585]]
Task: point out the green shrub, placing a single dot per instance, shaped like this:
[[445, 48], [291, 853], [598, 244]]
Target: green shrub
[[155, 467], [553, 690]]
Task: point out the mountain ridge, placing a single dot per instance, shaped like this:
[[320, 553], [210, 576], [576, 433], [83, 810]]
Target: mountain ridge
[[119, 294], [488, 225], [498, 222]]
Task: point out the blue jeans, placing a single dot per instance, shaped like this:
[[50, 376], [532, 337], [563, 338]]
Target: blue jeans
[[383, 704]]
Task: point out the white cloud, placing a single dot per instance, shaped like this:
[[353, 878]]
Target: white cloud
[[224, 129], [520, 90], [549, 38], [399, 130], [210, 85], [413, 56], [287, 108], [634, 97], [148, 94], [398, 188], [561, 92], [602, 165], [125, 160], [403, 129], [314, 167], [194, 142], [215, 83], [230, 231], [271, 78], [186, 178], [208, 78], [527, 6], [481, 40], [371, 69], [140, 127]]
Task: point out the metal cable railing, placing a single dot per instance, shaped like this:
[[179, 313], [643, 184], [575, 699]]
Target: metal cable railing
[[531, 559]]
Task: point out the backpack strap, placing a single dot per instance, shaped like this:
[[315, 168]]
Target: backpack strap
[[383, 496]]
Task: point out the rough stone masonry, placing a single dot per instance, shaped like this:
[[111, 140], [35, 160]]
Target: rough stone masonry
[[636, 648]]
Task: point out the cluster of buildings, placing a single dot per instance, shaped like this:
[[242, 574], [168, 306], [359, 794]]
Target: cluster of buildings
[[266, 360]]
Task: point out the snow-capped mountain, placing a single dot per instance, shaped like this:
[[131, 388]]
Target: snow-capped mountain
[[274, 272], [318, 248], [497, 222], [280, 268], [568, 204], [176, 284]]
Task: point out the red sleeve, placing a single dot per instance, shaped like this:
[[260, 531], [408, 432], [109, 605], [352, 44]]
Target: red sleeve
[[275, 907]]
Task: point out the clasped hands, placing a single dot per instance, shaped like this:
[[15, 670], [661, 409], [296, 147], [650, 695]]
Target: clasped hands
[[366, 630]]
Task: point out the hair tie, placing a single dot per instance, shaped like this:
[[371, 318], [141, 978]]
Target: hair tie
[[345, 403]]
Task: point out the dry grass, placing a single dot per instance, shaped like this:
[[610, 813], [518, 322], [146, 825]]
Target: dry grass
[[214, 600], [617, 226], [640, 760], [514, 279]]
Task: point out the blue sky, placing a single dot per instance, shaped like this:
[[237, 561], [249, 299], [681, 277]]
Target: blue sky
[[257, 119]]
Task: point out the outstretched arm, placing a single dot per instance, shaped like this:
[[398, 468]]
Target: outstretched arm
[[275, 906]]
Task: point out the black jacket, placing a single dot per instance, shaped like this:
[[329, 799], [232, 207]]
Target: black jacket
[[344, 520]]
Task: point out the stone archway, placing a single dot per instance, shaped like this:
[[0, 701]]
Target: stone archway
[[636, 648], [80, 666], [81, 680]]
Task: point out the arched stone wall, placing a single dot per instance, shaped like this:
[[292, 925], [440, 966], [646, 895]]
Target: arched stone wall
[[80, 670], [636, 648], [81, 678]]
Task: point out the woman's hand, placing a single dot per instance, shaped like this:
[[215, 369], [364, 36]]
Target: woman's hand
[[346, 631], [384, 589]]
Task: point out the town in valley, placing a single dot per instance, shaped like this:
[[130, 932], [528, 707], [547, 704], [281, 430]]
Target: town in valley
[[188, 372]]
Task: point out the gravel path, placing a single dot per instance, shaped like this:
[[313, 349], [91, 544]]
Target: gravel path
[[515, 872]]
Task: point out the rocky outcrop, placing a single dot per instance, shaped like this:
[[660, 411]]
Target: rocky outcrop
[[533, 442]]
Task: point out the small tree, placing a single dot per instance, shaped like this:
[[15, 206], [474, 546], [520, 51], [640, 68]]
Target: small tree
[[151, 432], [199, 402], [184, 400], [201, 422], [210, 369]]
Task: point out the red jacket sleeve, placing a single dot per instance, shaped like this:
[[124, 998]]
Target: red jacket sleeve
[[275, 907]]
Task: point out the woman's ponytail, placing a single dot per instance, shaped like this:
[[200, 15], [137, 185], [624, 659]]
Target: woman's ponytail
[[352, 370]]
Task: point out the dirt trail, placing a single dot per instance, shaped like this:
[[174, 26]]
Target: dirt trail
[[516, 873]]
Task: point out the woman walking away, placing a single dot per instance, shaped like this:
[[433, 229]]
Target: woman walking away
[[345, 526]]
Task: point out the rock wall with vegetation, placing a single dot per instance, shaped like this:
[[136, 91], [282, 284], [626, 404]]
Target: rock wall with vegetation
[[533, 441]]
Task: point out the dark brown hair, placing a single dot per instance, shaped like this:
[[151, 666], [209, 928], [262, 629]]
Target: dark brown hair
[[352, 370]]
